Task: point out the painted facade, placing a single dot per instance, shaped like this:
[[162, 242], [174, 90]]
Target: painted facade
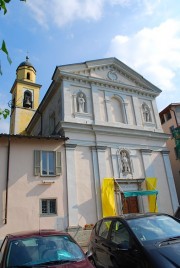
[[170, 119], [109, 114], [105, 108]]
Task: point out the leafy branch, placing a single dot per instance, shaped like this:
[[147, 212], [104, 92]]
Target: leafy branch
[[5, 113]]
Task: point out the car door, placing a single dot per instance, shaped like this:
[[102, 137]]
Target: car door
[[125, 251], [100, 244]]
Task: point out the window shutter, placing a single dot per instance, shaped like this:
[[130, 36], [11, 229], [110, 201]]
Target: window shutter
[[58, 163], [37, 163]]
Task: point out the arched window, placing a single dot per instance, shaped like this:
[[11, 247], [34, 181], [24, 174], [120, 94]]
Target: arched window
[[27, 101], [28, 76], [146, 113], [81, 102], [117, 110]]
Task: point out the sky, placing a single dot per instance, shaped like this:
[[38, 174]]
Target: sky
[[143, 34]]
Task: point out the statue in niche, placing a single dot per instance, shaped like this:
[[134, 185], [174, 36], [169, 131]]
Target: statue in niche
[[81, 103], [125, 162], [146, 113]]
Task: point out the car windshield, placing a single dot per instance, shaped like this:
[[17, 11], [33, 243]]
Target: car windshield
[[155, 227], [42, 250]]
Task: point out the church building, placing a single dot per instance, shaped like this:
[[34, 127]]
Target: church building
[[96, 130]]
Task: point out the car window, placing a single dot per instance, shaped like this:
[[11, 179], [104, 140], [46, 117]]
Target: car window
[[155, 227], [38, 250], [104, 228], [119, 233], [97, 226]]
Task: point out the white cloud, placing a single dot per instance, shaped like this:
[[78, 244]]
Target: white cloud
[[153, 52], [62, 12], [149, 5]]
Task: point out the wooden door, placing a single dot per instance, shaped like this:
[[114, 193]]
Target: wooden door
[[130, 204]]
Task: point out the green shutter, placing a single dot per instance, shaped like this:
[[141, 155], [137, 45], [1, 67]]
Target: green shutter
[[58, 163], [37, 163]]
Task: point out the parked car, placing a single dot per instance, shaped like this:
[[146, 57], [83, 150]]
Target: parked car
[[43, 248], [177, 213], [136, 240]]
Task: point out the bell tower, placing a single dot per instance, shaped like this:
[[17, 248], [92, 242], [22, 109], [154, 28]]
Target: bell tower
[[25, 97]]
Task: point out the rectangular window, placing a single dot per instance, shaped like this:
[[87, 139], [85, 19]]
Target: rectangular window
[[168, 115], [162, 119], [48, 207], [171, 129], [47, 163]]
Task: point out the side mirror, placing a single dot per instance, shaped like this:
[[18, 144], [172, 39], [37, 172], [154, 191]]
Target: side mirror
[[88, 253]]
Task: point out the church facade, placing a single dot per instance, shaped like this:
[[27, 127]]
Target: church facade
[[108, 114]]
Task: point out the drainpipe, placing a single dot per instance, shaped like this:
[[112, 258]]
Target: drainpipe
[[7, 180]]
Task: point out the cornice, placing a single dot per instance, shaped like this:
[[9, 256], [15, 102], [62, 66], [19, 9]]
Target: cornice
[[18, 81], [105, 84], [113, 131]]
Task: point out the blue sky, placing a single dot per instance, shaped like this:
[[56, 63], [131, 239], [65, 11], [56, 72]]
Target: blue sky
[[144, 34]]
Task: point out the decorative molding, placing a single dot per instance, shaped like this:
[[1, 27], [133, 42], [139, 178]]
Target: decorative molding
[[47, 182], [165, 152], [105, 83], [99, 148], [119, 180], [146, 151], [70, 146]]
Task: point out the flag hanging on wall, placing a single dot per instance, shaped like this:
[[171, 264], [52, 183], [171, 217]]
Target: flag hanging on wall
[[108, 197]]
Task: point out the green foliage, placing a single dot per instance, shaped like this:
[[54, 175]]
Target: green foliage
[[3, 48], [3, 5], [4, 113]]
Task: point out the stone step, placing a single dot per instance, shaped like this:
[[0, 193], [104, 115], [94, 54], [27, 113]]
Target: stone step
[[81, 236]]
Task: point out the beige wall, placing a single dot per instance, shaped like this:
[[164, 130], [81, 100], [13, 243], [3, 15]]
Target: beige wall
[[25, 190]]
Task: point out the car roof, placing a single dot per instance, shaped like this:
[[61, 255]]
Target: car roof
[[136, 215], [43, 232]]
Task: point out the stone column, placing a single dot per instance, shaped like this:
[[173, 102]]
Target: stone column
[[170, 180], [71, 186]]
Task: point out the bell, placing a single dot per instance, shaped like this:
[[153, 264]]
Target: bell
[[27, 102]]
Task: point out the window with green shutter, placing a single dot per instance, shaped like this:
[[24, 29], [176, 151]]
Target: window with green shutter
[[47, 163]]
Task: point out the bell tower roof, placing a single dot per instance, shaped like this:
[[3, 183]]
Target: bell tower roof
[[26, 63]]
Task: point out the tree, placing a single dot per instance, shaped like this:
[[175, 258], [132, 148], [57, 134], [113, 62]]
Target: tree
[[3, 49]]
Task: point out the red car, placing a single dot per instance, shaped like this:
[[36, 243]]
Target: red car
[[44, 248]]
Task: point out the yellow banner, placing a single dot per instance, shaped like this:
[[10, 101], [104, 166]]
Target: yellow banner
[[108, 197], [151, 185]]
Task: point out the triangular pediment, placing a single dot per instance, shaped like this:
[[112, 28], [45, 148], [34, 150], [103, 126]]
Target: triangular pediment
[[111, 70]]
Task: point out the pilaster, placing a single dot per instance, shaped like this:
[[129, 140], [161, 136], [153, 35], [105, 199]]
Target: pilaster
[[147, 163], [71, 186], [137, 111], [170, 180]]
